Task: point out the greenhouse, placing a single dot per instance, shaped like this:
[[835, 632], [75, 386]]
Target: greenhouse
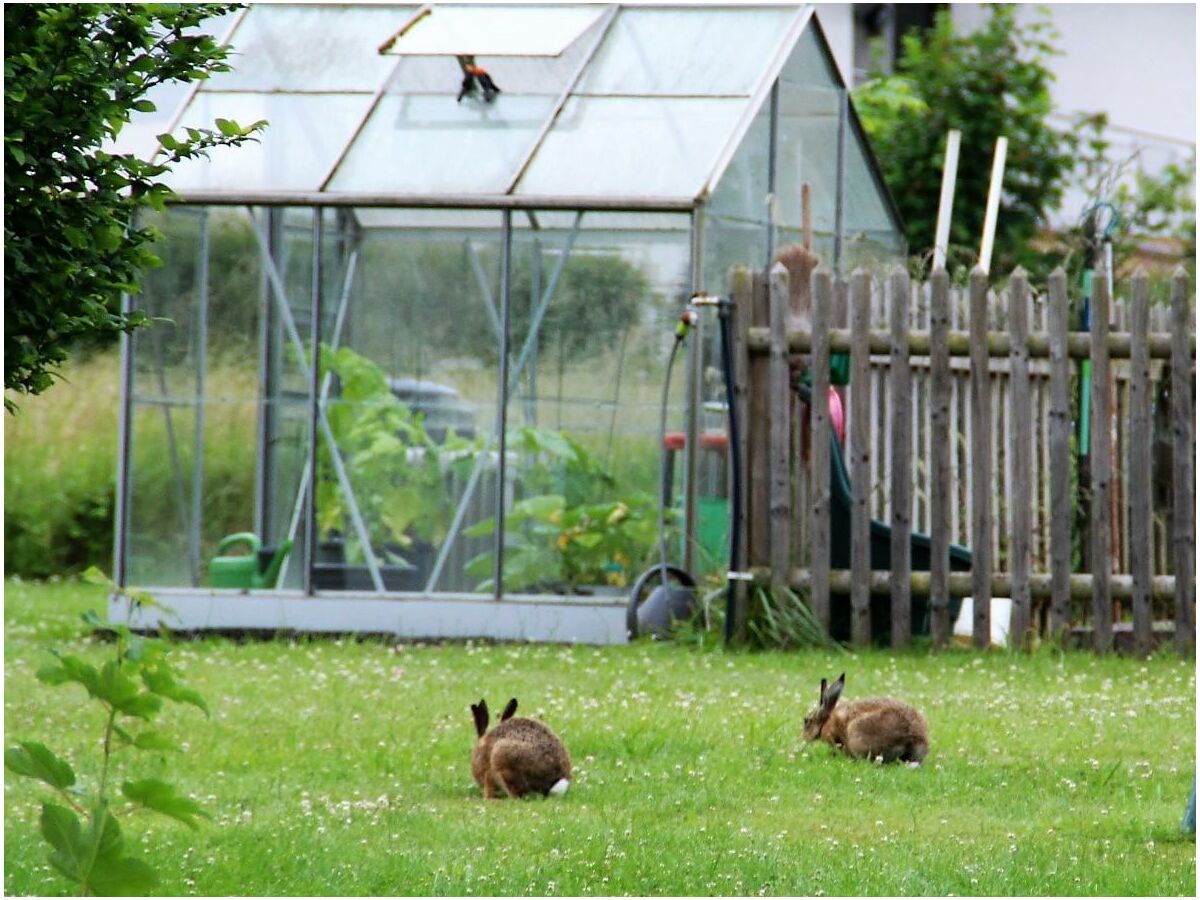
[[409, 360]]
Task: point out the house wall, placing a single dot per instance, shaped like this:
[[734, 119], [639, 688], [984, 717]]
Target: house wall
[[1134, 61]]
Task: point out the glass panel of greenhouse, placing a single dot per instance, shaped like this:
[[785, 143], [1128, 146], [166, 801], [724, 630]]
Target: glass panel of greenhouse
[[415, 339]]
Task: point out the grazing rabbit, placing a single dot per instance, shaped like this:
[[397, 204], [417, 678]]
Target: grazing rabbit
[[518, 755], [879, 728]]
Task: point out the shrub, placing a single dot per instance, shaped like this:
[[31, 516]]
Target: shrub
[[989, 83]]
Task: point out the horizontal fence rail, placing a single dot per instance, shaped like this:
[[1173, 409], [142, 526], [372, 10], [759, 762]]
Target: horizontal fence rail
[[999, 343], [965, 418]]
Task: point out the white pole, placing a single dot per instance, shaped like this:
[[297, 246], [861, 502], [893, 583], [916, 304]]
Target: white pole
[[993, 205], [946, 203]]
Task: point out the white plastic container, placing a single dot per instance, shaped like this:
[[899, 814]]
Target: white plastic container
[[964, 625]]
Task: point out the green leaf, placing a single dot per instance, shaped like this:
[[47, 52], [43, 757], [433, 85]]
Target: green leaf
[[161, 681], [62, 830], [93, 575], [481, 529], [154, 740], [114, 686], [144, 106], [228, 128], [124, 877], [34, 760], [142, 706], [163, 798], [105, 834], [70, 669]]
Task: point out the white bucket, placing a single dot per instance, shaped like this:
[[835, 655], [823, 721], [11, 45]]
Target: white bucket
[[964, 625]]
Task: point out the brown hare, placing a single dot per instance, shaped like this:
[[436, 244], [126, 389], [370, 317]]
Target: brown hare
[[879, 728], [518, 756]]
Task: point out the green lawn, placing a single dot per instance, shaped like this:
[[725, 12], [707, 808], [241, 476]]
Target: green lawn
[[338, 767]]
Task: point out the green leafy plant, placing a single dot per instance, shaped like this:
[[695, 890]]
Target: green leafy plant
[[74, 74], [987, 83], [560, 536], [552, 546], [397, 469], [85, 837]]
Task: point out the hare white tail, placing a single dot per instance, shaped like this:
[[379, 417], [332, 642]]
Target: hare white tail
[[560, 787]]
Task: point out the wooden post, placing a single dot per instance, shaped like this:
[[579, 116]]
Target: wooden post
[[1100, 452], [780, 483], [1061, 502], [758, 412], [1138, 469], [1183, 525], [981, 463], [901, 460], [818, 455], [740, 291], [860, 459], [1020, 422], [940, 441]]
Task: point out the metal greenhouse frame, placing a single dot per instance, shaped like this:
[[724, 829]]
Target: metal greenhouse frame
[[619, 126]]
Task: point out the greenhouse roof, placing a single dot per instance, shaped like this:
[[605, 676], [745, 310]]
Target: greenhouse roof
[[601, 106]]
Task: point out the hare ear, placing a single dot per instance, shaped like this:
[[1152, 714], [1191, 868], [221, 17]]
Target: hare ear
[[480, 712], [829, 698], [822, 690], [509, 710]]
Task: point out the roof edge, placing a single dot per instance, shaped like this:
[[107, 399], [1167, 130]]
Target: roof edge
[[443, 201]]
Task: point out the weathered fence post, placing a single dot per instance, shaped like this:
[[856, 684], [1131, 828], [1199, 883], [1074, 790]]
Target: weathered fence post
[[940, 487], [1061, 505], [818, 411], [1139, 462], [901, 461], [740, 291], [758, 431], [860, 460], [981, 462], [1021, 413], [1184, 524], [1100, 452], [780, 428]]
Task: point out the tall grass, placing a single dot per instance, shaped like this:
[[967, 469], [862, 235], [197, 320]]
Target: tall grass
[[60, 453], [60, 459]]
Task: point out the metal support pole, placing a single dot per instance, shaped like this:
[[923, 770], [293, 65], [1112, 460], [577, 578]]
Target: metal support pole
[[268, 380], [124, 452], [314, 401], [773, 175], [201, 387], [502, 412]]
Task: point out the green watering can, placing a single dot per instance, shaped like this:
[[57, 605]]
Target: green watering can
[[256, 569]]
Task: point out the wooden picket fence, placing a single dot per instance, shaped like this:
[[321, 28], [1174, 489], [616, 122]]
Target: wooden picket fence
[[989, 411]]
